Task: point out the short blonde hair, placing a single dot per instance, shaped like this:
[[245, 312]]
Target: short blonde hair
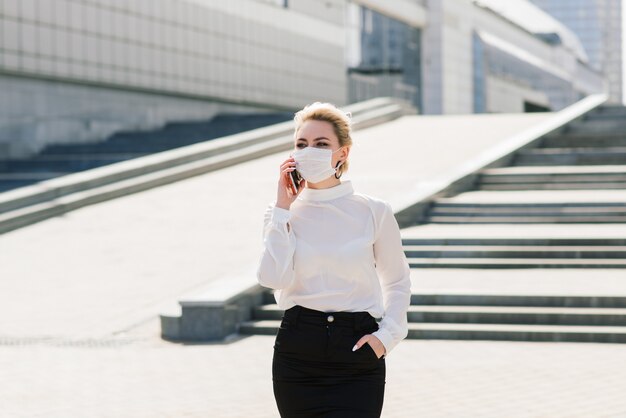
[[341, 121]]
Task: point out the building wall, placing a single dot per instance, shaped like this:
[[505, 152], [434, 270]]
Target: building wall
[[205, 48], [433, 60], [506, 97], [331, 11], [197, 53], [457, 56]]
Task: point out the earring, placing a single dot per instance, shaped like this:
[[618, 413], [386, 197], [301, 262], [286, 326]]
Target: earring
[[336, 171]]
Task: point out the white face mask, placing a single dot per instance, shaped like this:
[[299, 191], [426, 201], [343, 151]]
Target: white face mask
[[315, 164]]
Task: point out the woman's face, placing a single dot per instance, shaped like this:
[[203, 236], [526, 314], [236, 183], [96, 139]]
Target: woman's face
[[319, 134]]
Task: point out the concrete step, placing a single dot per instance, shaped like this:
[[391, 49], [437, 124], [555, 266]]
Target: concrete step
[[172, 135], [527, 211], [136, 142], [597, 212], [10, 181], [27, 175], [511, 251], [259, 327], [493, 315], [8, 185], [476, 215], [515, 263], [613, 185], [538, 209], [578, 139], [487, 299], [573, 150], [580, 136], [611, 112], [517, 315], [559, 170], [571, 156], [552, 241], [525, 219], [517, 300], [504, 332], [64, 162], [602, 125], [565, 198], [555, 178], [515, 332]]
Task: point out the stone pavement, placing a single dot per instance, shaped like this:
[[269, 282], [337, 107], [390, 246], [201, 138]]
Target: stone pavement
[[427, 379]]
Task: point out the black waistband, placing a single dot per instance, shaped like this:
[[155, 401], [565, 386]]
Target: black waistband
[[358, 320]]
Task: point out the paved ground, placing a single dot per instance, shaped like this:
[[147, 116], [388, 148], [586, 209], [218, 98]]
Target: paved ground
[[80, 296], [425, 379]]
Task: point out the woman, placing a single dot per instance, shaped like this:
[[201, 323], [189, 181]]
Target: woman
[[336, 261]]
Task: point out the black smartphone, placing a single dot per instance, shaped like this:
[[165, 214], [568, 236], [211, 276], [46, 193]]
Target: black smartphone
[[296, 178]]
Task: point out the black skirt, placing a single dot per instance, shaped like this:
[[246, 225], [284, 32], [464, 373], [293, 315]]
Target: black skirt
[[315, 373]]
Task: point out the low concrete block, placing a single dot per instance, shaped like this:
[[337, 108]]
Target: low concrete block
[[214, 312]]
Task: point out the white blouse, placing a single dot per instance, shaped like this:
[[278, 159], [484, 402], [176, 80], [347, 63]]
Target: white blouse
[[342, 252]]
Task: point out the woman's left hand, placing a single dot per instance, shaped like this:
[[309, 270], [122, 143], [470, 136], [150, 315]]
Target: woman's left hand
[[373, 341]]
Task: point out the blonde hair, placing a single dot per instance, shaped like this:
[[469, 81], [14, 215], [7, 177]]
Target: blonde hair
[[341, 121]]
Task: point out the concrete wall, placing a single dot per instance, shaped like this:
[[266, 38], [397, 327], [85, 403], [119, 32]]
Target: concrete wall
[[205, 48], [504, 96], [447, 45], [457, 57], [80, 57]]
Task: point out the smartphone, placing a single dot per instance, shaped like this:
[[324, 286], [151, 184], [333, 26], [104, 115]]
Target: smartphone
[[295, 178]]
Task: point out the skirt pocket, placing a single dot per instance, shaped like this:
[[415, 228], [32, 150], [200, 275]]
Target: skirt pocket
[[282, 335], [369, 348]]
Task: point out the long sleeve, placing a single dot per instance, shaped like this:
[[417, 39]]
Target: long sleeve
[[275, 268], [394, 274]]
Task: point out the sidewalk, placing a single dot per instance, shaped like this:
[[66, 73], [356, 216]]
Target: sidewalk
[[426, 379]]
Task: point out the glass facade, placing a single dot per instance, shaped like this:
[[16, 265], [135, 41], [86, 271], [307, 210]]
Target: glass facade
[[598, 24], [383, 57], [491, 60]]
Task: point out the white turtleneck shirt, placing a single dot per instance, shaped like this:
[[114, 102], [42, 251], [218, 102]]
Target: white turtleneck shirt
[[337, 250]]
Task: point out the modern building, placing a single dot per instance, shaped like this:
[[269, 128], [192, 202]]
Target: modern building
[[549, 69], [79, 70], [599, 26]]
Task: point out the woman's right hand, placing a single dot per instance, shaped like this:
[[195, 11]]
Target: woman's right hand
[[285, 197]]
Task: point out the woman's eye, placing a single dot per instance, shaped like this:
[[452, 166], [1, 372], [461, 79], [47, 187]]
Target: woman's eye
[[300, 145]]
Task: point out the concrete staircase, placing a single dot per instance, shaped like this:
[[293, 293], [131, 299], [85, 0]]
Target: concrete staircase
[[493, 317], [589, 155], [51, 197], [63, 159], [575, 178], [515, 253]]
